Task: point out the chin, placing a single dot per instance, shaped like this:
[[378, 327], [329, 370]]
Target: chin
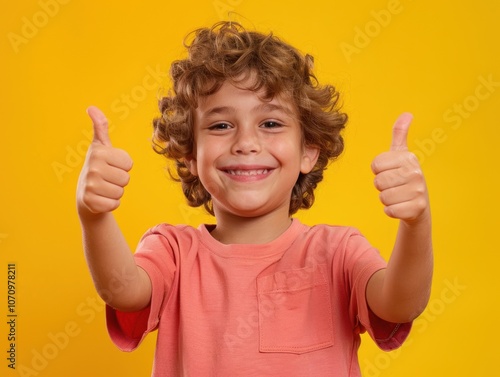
[[247, 211]]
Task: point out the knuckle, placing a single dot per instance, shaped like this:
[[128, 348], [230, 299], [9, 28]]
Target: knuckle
[[383, 197], [126, 179], [421, 191], [412, 158], [87, 198], [422, 204], [93, 172], [389, 211], [119, 192], [90, 186], [115, 205]]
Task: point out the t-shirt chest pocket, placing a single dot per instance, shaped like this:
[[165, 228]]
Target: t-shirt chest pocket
[[295, 313]]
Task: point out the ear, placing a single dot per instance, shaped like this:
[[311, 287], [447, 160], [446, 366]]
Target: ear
[[309, 157], [192, 165]]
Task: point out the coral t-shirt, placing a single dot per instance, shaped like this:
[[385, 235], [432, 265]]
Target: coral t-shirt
[[295, 306]]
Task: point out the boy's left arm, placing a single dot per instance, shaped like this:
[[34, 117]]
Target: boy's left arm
[[400, 292]]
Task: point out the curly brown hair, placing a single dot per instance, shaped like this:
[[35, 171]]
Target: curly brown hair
[[228, 52]]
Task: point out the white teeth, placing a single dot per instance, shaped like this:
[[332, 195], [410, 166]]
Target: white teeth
[[248, 172]]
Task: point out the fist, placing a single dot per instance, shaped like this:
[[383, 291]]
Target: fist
[[105, 172], [399, 178]]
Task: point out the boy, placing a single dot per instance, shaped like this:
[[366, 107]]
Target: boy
[[258, 293]]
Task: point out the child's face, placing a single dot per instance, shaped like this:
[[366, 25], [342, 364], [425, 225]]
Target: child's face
[[248, 152]]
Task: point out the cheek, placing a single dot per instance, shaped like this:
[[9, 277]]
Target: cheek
[[205, 156], [285, 150]]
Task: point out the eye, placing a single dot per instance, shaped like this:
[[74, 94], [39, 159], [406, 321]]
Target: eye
[[220, 126], [271, 124]]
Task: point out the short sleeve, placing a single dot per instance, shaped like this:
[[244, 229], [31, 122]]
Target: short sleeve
[[362, 261], [154, 254]]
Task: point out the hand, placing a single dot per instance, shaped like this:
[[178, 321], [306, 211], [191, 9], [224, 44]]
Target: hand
[[399, 178], [105, 171]]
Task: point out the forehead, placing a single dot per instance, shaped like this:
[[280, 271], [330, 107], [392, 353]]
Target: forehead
[[242, 95]]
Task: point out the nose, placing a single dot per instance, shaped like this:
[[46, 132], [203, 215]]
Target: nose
[[246, 141]]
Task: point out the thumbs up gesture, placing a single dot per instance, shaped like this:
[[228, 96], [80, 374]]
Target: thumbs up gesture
[[399, 178], [105, 171]]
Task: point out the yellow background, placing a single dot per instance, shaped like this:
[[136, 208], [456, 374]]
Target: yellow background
[[436, 59]]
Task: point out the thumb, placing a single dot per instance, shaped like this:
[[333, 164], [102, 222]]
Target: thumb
[[400, 132], [100, 124]]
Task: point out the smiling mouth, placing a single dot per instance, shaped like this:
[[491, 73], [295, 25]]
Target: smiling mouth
[[248, 172]]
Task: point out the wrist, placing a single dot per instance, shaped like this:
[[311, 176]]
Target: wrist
[[424, 219], [87, 216]]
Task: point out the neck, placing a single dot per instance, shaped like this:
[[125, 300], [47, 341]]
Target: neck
[[232, 229]]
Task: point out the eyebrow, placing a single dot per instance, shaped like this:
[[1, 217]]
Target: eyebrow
[[266, 106], [219, 110]]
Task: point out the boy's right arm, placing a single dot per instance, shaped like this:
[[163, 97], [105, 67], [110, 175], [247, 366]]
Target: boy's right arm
[[118, 280]]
